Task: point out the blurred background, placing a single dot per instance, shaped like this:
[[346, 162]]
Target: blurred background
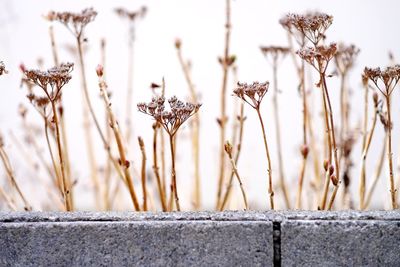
[[370, 25]]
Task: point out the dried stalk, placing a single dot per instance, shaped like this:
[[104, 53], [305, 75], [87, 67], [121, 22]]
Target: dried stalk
[[228, 150], [143, 172], [223, 118], [9, 201], [195, 129], [11, 176], [161, 192], [118, 138]]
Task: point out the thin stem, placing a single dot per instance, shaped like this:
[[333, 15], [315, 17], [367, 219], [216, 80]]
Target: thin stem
[[9, 201], [64, 183], [364, 159], [390, 160], [326, 189], [237, 155], [195, 131], [278, 133], [223, 118], [377, 173], [174, 189], [130, 84], [235, 171], [11, 176], [143, 172], [121, 150], [269, 169], [161, 192]]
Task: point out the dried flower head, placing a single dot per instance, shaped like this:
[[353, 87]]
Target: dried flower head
[[171, 120], [253, 93], [131, 15], [345, 57], [319, 56], [388, 77], [312, 25], [2, 68], [52, 80], [75, 22], [274, 52]]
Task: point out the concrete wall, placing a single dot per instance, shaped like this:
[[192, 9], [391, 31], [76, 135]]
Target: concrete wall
[[200, 239]]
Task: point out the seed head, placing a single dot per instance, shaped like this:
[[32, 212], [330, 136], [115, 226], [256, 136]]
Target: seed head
[[388, 77], [52, 80], [319, 56], [274, 52], [171, 120], [312, 25], [345, 57], [252, 94], [75, 22], [131, 15], [2, 68]]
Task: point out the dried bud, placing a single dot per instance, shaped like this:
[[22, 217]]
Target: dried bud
[[304, 150], [334, 180], [99, 70], [230, 60], [154, 86], [22, 67], [228, 148], [375, 98], [331, 169], [178, 43], [326, 165]]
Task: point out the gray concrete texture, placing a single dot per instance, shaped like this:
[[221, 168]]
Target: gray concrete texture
[[293, 238]]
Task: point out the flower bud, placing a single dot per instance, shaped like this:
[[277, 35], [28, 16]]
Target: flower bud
[[99, 70]]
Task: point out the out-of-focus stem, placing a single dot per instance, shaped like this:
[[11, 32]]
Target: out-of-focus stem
[[174, 189], [390, 159], [278, 133], [130, 83], [161, 192], [223, 118]]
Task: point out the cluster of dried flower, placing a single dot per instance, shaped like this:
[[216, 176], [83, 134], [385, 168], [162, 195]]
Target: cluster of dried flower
[[389, 77], [2, 68], [345, 57], [252, 93], [274, 51], [311, 25], [131, 15], [54, 79], [318, 56], [173, 119], [75, 22]]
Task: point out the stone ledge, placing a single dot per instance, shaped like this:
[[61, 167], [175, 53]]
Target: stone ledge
[[200, 238]]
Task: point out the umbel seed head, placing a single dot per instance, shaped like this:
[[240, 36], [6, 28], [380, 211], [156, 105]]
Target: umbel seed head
[[2, 68], [252, 94]]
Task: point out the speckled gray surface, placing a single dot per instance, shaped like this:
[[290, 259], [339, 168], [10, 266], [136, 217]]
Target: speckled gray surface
[[346, 238]]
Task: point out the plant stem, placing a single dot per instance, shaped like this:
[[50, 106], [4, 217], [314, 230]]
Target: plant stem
[[161, 192], [195, 132], [364, 159], [130, 83], [278, 133], [9, 201], [66, 189], [174, 189], [390, 160], [326, 189], [269, 170], [143, 173], [223, 118], [121, 150], [378, 171], [11, 176]]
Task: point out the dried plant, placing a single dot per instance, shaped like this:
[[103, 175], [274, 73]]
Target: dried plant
[[253, 95], [2, 68], [143, 173], [118, 138], [275, 54], [171, 121], [11, 176], [228, 150], [385, 81], [226, 62], [195, 125], [51, 82], [131, 17]]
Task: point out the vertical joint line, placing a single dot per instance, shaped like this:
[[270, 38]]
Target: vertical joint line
[[276, 235]]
